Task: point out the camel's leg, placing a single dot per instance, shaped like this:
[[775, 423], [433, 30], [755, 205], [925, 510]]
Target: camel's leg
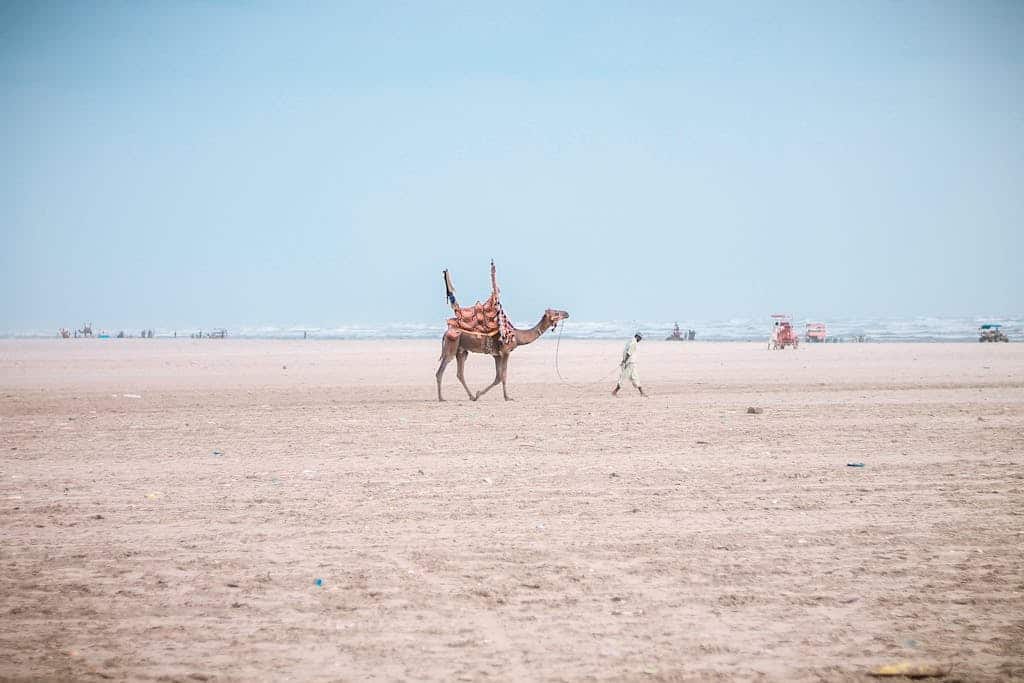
[[448, 351], [440, 374], [504, 378], [497, 378], [460, 360]]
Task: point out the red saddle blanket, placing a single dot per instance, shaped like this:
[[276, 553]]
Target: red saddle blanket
[[481, 318]]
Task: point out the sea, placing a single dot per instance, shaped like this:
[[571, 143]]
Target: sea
[[864, 329]]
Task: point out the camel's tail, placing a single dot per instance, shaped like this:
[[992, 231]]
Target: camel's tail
[[450, 290]]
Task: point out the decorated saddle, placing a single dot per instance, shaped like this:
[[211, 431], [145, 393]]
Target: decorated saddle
[[481, 318], [487, 318]]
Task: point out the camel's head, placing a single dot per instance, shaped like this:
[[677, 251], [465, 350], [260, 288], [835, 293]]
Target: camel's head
[[555, 316]]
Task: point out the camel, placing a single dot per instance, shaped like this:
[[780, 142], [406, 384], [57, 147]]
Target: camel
[[491, 335]]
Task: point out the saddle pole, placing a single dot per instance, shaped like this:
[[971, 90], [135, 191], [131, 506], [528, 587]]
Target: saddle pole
[[450, 291]]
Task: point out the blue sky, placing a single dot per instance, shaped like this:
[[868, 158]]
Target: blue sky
[[245, 162]]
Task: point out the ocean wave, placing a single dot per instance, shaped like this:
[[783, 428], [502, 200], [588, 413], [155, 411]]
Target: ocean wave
[[913, 329]]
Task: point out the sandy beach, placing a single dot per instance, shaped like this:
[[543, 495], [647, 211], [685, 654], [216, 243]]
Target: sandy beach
[[195, 510]]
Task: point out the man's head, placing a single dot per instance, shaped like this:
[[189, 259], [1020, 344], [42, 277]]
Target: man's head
[[638, 336]]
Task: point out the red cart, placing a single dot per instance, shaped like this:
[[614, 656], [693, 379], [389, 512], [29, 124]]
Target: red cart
[[783, 334]]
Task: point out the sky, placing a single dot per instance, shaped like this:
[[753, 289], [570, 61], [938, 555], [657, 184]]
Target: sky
[[223, 163]]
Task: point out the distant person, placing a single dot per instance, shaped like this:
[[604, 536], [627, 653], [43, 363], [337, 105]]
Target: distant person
[[628, 366]]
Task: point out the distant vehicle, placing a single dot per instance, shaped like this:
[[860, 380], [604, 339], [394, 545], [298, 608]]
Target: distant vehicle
[[783, 334], [816, 332], [679, 335], [992, 332]]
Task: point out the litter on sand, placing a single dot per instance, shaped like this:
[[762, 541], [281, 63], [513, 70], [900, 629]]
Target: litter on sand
[[909, 670], [855, 464]]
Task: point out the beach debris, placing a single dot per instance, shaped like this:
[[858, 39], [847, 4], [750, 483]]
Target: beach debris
[[319, 582], [754, 410], [909, 670], [284, 367], [613, 474], [131, 396], [153, 495], [855, 464], [703, 443], [218, 453]]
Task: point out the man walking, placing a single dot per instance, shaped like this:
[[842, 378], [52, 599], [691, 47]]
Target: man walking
[[628, 367]]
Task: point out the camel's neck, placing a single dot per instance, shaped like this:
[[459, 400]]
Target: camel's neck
[[531, 335]]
